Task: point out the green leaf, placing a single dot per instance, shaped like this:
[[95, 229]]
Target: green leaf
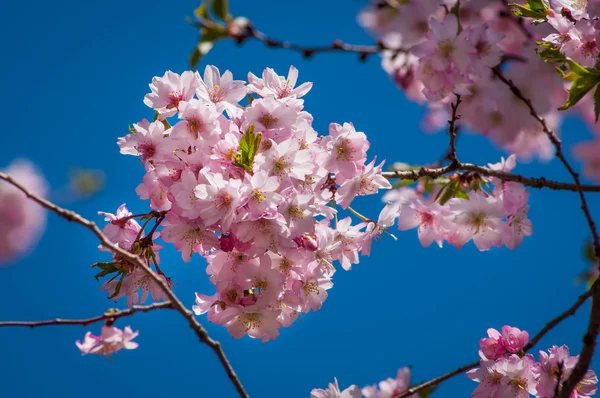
[[402, 183], [578, 69], [250, 99], [202, 11], [597, 102], [220, 8], [533, 9], [456, 10], [447, 192], [117, 287], [589, 254], [107, 268], [579, 89], [550, 53], [426, 392], [462, 194], [208, 37], [249, 146]]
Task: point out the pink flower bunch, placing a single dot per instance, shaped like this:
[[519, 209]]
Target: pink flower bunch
[[254, 190], [435, 49], [507, 371], [22, 221], [388, 388], [575, 37], [111, 340], [128, 280], [491, 218]]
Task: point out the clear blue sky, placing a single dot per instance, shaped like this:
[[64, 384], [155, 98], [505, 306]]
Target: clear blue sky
[[73, 77]]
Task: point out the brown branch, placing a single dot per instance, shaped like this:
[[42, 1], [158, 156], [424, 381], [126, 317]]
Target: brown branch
[[452, 132], [589, 339], [175, 302], [110, 315], [534, 182], [438, 380], [589, 346], [249, 32], [549, 326]]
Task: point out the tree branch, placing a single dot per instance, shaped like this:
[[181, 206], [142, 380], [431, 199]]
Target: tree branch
[[534, 182], [111, 315], [589, 340], [175, 302], [452, 132], [549, 326], [249, 32]]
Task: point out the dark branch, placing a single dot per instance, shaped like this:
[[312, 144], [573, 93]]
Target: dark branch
[[249, 32], [177, 304], [534, 182], [589, 340], [110, 315], [452, 132], [549, 326]]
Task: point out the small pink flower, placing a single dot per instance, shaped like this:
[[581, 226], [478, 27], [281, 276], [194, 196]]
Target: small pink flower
[[111, 340], [333, 391], [346, 150], [513, 339], [171, 89], [492, 346]]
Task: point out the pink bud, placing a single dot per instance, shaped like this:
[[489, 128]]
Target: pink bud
[[310, 243], [514, 339], [227, 242]]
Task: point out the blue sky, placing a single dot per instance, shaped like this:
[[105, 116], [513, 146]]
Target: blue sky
[[75, 74]]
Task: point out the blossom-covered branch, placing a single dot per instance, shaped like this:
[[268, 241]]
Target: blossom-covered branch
[[135, 259], [589, 339], [110, 315], [534, 182], [559, 154]]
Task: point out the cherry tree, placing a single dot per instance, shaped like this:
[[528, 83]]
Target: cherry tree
[[235, 173]]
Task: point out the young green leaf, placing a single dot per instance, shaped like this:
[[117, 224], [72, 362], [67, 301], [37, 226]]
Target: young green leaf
[[579, 89], [220, 9], [597, 102], [202, 11]]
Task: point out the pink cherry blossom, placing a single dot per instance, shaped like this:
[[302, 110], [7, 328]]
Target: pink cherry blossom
[[346, 150], [391, 388], [221, 90], [492, 347], [333, 391], [513, 339], [22, 221], [111, 340], [168, 91], [280, 87]]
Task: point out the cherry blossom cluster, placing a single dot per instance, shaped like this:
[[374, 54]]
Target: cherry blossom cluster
[[437, 48], [388, 388], [111, 340], [253, 189], [492, 213], [128, 280], [22, 221], [507, 371]]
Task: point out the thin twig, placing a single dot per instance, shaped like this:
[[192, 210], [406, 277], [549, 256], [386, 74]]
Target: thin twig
[[589, 340], [109, 315], [534, 182], [452, 132], [589, 346], [549, 326], [177, 304], [250, 32]]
